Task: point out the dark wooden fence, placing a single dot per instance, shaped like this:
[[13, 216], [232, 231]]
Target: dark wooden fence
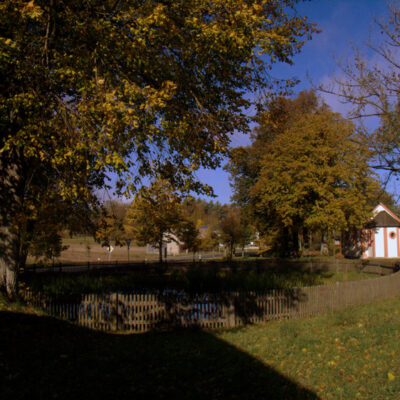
[[147, 311]]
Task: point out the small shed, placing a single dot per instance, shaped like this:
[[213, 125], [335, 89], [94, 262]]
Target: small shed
[[384, 240], [170, 242]]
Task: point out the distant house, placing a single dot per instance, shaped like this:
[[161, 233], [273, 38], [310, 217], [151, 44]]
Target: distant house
[[173, 246], [383, 230]]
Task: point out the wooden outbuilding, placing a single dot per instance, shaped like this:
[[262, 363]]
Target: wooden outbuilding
[[384, 240]]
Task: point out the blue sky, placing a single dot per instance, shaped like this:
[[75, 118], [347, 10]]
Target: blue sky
[[342, 22]]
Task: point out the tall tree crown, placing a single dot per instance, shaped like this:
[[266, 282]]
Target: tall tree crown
[[306, 169], [140, 86]]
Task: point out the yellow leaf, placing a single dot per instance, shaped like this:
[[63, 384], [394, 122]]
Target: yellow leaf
[[391, 377]]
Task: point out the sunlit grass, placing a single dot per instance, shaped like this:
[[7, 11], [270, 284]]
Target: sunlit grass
[[349, 354]]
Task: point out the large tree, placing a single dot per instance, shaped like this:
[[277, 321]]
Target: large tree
[[311, 173], [134, 87], [273, 118], [189, 235], [155, 215], [109, 224], [234, 231]]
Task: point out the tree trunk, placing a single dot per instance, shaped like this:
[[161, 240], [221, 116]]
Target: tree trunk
[[10, 200], [3, 274], [324, 246], [284, 246], [334, 243], [9, 261], [160, 248], [296, 241], [231, 251], [300, 241]]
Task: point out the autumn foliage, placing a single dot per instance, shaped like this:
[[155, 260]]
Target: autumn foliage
[[306, 171], [136, 88]]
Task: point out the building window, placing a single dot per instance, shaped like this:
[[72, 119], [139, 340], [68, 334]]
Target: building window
[[392, 235]]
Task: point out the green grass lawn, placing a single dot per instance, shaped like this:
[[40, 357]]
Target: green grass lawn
[[345, 355], [349, 354]]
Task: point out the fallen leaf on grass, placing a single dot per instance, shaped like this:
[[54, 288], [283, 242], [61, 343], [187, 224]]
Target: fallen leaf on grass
[[391, 377]]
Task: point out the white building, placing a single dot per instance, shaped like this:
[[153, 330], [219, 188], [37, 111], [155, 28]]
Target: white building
[[384, 234], [171, 243]]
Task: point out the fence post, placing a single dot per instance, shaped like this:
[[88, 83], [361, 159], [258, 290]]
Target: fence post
[[231, 314], [116, 327]]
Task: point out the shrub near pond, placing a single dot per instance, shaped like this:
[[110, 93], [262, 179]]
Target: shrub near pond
[[191, 281]]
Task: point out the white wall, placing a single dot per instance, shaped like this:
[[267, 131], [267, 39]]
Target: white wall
[[379, 243], [173, 249], [392, 242]]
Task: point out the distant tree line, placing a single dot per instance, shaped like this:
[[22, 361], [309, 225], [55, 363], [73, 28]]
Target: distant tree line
[[159, 214]]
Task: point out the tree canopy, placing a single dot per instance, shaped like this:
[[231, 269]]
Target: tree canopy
[[310, 172], [189, 235], [202, 212], [155, 215], [134, 87], [138, 86], [234, 231]]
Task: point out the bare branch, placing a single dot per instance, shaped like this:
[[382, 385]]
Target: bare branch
[[373, 90]]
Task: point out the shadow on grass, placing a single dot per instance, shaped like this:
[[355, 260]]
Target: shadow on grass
[[46, 358]]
